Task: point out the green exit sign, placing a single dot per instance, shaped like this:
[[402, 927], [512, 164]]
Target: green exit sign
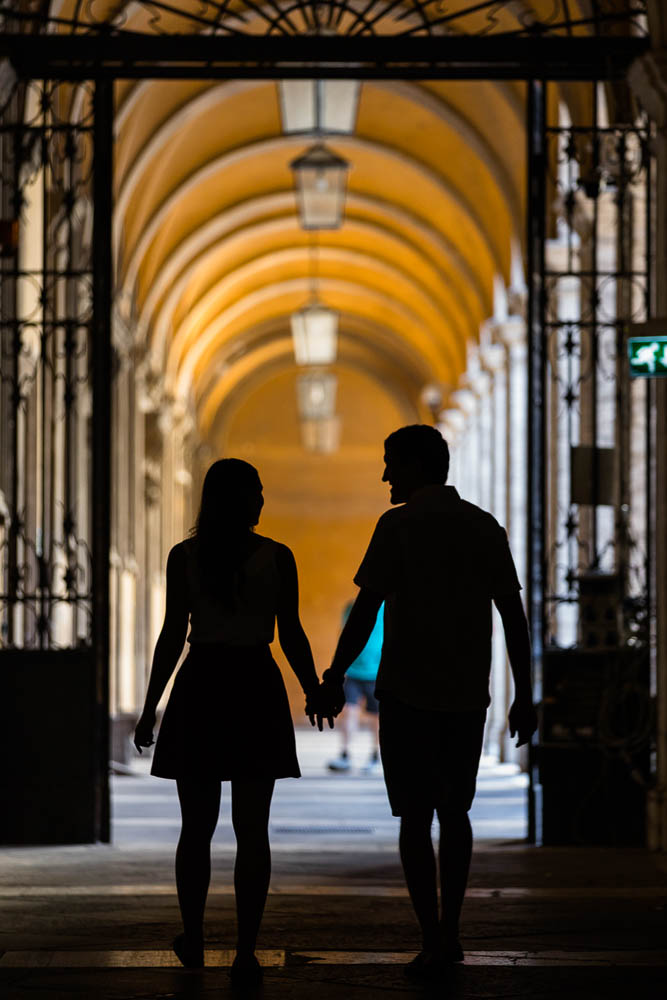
[[648, 356]]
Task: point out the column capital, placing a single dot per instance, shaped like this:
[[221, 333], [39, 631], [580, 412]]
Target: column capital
[[122, 337], [517, 303], [8, 81], [175, 416], [510, 332], [478, 382], [465, 400], [451, 424], [492, 357], [647, 77]]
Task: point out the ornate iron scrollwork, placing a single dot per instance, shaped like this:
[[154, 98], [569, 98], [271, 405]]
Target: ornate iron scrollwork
[[342, 17], [45, 361], [595, 282]]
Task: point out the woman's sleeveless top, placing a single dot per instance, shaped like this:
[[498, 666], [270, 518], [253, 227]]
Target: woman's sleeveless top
[[250, 619]]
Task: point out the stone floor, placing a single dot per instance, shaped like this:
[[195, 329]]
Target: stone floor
[[96, 922]]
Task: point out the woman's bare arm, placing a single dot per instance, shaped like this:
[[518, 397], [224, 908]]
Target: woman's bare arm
[[169, 645], [293, 640]]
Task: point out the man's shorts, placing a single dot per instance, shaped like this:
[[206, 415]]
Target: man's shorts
[[430, 758], [357, 692]]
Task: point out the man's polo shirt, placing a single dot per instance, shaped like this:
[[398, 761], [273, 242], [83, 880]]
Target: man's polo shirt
[[438, 561]]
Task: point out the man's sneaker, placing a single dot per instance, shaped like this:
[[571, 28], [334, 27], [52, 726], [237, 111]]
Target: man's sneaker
[[341, 763], [372, 766]]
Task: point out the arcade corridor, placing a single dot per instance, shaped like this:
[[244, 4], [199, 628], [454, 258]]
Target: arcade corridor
[[279, 231]]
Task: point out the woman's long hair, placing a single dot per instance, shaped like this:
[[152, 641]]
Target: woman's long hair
[[224, 524]]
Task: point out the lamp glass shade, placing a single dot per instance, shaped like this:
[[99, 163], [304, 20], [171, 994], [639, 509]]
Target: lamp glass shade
[[319, 106], [320, 179], [321, 436], [316, 395], [315, 335]]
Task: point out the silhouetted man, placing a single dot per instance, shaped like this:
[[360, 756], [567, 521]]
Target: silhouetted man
[[437, 562]]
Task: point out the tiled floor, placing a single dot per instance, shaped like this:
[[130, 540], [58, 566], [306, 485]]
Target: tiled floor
[[539, 923]]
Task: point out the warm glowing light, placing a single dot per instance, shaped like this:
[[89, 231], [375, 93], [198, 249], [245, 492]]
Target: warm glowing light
[[319, 106], [320, 181], [321, 436], [316, 395], [315, 335]]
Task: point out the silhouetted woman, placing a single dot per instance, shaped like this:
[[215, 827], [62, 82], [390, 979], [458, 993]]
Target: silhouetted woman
[[228, 717]]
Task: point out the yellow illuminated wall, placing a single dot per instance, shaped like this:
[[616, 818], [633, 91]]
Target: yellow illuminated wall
[[323, 506]]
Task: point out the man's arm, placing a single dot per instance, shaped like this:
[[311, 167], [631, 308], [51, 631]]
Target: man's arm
[[522, 715], [356, 633]]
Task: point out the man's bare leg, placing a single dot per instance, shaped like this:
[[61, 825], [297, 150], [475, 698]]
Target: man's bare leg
[[418, 860], [454, 856]]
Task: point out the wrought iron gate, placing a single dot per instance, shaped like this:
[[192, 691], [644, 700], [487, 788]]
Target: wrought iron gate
[[591, 477], [55, 153]]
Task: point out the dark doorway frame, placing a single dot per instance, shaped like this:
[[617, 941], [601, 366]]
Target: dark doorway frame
[[106, 55]]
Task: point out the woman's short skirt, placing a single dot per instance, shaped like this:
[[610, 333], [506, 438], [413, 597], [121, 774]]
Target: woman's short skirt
[[227, 717]]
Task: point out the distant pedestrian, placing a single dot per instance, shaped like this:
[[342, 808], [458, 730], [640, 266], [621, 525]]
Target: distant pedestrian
[[438, 563], [228, 717], [359, 688]]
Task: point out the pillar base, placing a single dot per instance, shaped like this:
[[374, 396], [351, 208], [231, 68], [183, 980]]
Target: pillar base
[[656, 819]]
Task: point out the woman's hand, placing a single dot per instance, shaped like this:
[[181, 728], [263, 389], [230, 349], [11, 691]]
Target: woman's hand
[[334, 691], [318, 708], [325, 702], [143, 734]]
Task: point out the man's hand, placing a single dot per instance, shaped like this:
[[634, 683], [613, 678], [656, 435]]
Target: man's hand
[[335, 692], [522, 720], [143, 734], [318, 708]]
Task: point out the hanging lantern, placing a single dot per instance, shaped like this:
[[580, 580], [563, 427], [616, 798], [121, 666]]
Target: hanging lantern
[[319, 106], [320, 180], [315, 335], [321, 436], [316, 395]]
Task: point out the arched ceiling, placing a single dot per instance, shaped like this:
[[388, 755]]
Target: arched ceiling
[[211, 260]]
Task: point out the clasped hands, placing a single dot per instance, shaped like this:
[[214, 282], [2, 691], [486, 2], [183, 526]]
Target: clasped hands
[[325, 701]]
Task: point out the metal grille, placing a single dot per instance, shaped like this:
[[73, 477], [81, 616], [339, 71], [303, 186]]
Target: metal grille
[[592, 425], [343, 17], [45, 361]]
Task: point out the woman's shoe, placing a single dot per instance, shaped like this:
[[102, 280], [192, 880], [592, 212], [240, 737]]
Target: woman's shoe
[[246, 971], [429, 966], [191, 956]]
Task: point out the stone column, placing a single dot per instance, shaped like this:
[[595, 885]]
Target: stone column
[[648, 79], [493, 361], [123, 568], [465, 402], [478, 382]]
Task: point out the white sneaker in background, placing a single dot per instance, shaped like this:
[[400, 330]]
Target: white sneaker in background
[[372, 766], [341, 763]]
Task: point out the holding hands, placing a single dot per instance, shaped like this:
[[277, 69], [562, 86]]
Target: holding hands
[[325, 701]]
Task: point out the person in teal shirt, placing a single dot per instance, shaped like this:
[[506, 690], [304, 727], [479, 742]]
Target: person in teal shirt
[[359, 687]]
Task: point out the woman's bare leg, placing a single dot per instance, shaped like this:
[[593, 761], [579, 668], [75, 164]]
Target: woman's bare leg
[[200, 806], [251, 803]]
